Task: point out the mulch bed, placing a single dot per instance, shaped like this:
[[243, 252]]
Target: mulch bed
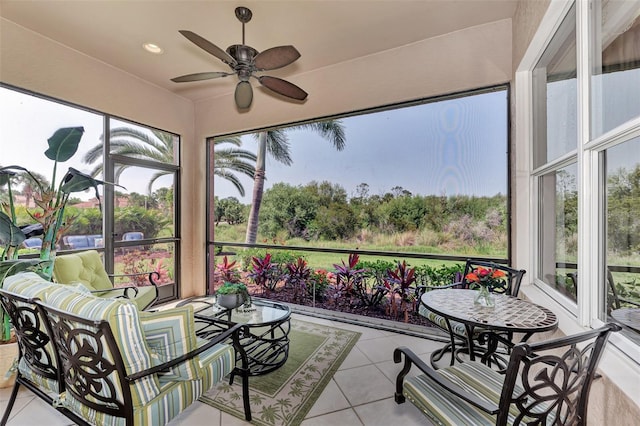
[[286, 295]]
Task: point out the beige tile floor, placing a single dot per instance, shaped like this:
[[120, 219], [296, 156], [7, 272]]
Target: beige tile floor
[[360, 393]]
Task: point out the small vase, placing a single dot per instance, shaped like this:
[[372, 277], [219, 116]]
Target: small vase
[[484, 298]]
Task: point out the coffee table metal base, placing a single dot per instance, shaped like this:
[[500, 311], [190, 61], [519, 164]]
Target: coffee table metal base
[[266, 330]]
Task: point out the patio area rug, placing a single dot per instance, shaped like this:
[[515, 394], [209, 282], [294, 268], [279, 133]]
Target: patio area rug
[[285, 396]]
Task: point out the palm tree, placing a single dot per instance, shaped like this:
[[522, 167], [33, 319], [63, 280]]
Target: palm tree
[[135, 144], [276, 143], [159, 147], [229, 161]]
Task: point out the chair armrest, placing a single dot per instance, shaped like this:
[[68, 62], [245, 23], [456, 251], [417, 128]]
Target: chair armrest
[[410, 358], [153, 276], [124, 289], [232, 332]]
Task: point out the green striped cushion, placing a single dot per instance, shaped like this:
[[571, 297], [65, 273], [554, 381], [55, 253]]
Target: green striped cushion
[[42, 382], [170, 334], [174, 398], [458, 327], [444, 408], [27, 284], [122, 316], [31, 285], [217, 362]]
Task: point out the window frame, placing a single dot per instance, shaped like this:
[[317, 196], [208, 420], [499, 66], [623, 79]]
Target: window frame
[[589, 156], [165, 293]]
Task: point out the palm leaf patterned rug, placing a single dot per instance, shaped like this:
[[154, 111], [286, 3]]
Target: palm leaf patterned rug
[[285, 396]]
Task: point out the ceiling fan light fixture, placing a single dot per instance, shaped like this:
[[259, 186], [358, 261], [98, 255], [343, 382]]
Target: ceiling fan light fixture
[[153, 48], [244, 95]]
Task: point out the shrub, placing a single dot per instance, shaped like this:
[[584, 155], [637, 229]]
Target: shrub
[[265, 273], [318, 284], [297, 276]]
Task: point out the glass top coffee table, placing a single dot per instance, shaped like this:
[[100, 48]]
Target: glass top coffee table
[[268, 323]]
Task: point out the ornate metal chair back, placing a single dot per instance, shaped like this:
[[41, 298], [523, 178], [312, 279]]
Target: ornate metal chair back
[[36, 349], [92, 365], [550, 381]]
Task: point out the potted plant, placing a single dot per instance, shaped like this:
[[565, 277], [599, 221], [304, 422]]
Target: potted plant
[[50, 197], [232, 295]]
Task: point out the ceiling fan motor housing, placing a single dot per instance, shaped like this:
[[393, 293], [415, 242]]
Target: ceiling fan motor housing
[[242, 53]]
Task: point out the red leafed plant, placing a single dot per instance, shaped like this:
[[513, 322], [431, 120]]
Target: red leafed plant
[[265, 273], [399, 282], [227, 271]]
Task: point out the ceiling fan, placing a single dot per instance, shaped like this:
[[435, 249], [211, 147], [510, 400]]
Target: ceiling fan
[[245, 61]]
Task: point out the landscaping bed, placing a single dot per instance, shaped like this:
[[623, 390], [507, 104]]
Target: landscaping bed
[[285, 295], [375, 290]]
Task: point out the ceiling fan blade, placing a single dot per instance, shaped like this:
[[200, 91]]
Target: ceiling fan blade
[[244, 95], [283, 87], [276, 57], [199, 76], [206, 45]]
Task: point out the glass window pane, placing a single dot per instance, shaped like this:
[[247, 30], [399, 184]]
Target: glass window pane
[[555, 96], [429, 178], [146, 210], [23, 142], [622, 288], [138, 261], [616, 72], [559, 229], [143, 142]]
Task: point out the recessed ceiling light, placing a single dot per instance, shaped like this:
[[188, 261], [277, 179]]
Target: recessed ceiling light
[[153, 48]]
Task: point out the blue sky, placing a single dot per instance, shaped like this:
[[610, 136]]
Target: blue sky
[[450, 147], [446, 148]]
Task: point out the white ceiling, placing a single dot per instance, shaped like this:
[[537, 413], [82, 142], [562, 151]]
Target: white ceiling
[[325, 32]]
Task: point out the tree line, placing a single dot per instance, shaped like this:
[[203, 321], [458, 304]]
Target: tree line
[[322, 211]]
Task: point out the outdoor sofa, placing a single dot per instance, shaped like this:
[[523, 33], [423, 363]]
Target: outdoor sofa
[[101, 361]]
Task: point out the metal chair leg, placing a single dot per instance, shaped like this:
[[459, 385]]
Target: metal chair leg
[[12, 400]]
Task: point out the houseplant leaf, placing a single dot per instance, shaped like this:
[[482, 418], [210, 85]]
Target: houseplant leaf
[[10, 234], [15, 266], [76, 181], [64, 143]]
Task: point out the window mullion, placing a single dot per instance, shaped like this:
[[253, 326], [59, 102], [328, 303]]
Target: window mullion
[[590, 255]]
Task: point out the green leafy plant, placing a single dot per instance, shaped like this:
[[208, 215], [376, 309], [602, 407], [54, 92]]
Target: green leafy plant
[[51, 198], [235, 288], [318, 284], [349, 280], [227, 271]]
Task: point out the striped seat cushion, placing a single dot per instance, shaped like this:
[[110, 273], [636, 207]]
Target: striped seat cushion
[[31, 285], [173, 399], [42, 382], [216, 363], [175, 396], [445, 408], [458, 328], [170, 334]]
